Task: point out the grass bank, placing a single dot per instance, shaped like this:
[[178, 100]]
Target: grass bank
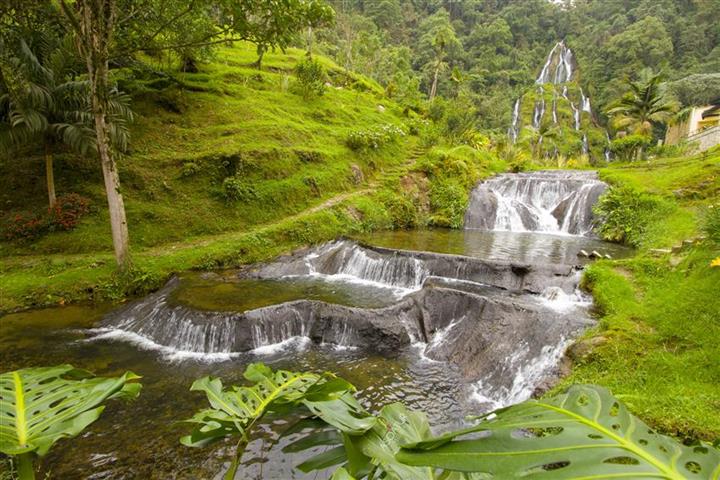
[[231, 165], [656, 346]]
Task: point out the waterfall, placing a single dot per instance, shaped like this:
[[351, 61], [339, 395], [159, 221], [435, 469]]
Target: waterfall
[[608, 153], [585, 145], [559, 65], [514, 126], [585, 103], [539, 111], [359, 265], [576, 115], [547, 201], [554, 109]]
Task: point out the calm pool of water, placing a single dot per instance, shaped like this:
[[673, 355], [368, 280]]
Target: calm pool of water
[[498, 246]]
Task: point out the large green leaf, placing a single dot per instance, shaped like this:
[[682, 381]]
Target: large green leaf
[[39, 406], [583, 433], [367, 442], [235, 410], [397, 425]]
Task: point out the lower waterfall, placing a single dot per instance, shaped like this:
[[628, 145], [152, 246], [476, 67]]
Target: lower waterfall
[[558, 202]]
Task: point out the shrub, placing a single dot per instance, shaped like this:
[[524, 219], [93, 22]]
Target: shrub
[[374, 138], [448, 201], [710, 223], [627, 147], [401, 209], [234, 189], [67, 212], [310, 78], [624, 214], [65, 215], [189, 169]]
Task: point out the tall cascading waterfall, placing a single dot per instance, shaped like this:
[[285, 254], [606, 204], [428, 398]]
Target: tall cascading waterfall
[[539, 111], [559, 70], [557, 202], [513, 131], [559, 65]]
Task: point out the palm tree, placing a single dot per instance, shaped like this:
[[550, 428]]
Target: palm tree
[[644, 105], [40, 104], [534, 137]]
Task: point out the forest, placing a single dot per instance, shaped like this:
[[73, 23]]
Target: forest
[[359, 239]]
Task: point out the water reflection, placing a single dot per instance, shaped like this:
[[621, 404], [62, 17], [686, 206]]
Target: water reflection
[[525, 247]]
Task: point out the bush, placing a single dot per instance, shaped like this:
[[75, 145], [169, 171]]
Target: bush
[[448, 201], [710, 223], [234, 189], [401, 209], [374, 138], [64, 216], [310, 78], [67, 212], [624, 214], [627, 147], [189, 169]]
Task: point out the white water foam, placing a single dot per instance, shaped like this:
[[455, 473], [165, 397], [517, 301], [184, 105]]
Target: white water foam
[[528, 377], [557, 299], [293, 343], [166, 352]]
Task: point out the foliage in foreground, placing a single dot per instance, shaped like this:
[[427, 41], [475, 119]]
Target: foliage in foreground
[[584, 431], [39, 406]]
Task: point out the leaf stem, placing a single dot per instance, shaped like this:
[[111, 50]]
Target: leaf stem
[[25, 467]]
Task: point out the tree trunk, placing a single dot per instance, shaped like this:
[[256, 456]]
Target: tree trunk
[[95, 30], [309, 40], [50, 176], [433, 89]]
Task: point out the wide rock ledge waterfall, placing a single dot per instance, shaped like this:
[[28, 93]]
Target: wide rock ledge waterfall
[[503, 324]]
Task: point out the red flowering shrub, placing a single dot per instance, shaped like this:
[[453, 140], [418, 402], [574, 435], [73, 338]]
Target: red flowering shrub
[[67, 212], [64, 216], [24, 226]]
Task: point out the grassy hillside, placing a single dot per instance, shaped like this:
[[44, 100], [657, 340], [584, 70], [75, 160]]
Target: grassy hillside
[[229, 120], [656, 346], [294, 180]]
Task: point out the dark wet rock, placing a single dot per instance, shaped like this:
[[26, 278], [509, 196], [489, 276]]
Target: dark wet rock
[[405, 268], [487, 318], [481, 209]]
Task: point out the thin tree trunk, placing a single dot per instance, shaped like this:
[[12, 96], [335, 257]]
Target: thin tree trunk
[[309, 41], [95, 27], [50, 176], [433, 89]]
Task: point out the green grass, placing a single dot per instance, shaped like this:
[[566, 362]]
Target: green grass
[[227, 121], [661, 316]]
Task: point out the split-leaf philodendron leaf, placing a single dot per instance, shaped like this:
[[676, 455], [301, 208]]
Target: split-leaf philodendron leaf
[[582, 434], [234, 410], [39, 406]]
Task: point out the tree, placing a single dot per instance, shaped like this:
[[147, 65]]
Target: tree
[[644, 105], [275, 23], [40, 104], [439, 45], [94, 22]]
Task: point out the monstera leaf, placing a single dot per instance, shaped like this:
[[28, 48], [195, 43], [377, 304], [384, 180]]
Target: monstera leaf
[[583, 433], [365, 444], [39, 406], [236, 410]]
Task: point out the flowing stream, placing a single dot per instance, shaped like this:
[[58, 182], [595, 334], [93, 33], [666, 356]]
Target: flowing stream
[[449, 322]]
